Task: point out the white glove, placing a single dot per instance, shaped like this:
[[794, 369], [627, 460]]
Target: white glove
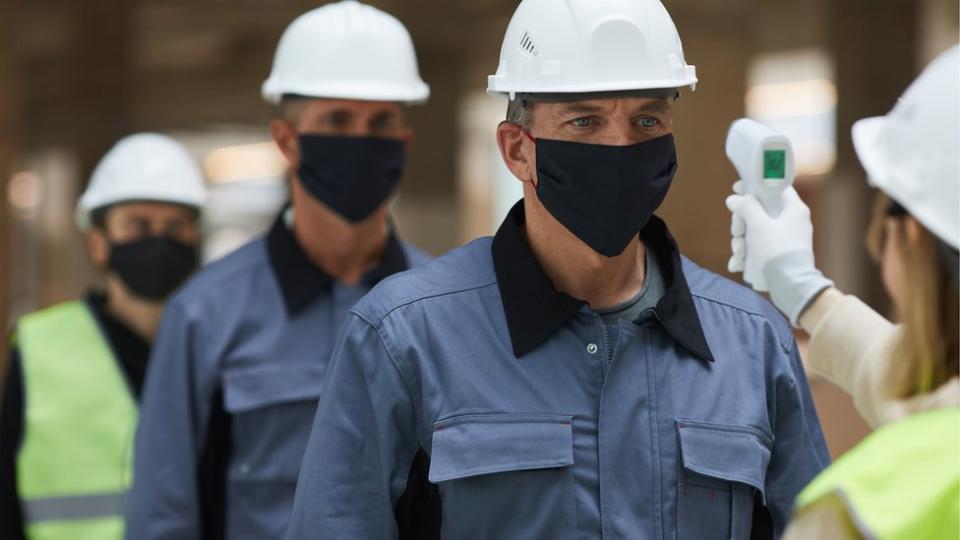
[[775, 254], [752, 273]]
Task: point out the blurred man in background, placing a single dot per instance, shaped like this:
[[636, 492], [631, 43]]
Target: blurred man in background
[[243, 349], [77, 369]]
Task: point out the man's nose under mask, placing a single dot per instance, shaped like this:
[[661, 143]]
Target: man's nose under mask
[[153, 267], [354, 176], [604, 194]]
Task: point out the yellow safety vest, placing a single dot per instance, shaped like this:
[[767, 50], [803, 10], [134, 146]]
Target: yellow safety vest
[[75, 462], [901, 482]]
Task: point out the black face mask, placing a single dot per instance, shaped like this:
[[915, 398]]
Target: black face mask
[[153, 267], [604, 194], [354, 176]]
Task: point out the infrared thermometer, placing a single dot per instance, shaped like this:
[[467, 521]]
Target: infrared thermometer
[[764, 159]]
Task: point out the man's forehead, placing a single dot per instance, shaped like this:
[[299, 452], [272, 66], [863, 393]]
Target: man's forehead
[[630, 104], [352, 105], [149, 207]]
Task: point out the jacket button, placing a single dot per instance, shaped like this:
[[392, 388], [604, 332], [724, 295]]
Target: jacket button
[[592, 348], [244, 469]]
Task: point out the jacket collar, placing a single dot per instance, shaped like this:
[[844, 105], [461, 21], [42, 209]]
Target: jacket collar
[[301, 282], [535, 310]]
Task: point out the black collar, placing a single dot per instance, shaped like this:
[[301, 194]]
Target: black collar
[[301, 282], [131, 350], [535, 310]]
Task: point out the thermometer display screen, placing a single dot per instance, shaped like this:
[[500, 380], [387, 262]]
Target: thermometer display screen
[[774, 164]]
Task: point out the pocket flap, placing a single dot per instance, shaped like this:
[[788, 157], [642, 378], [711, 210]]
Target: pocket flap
[[731, 453], [254, 387], [474, 445]]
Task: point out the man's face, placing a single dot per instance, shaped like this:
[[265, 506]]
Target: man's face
[[616, 122], [613, 122], [128, 222], [337, 117]]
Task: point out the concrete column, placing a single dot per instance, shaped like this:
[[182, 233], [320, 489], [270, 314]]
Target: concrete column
[[9, 127], [427, 208], [716, 42], [939, 28], [875, 46], [81, 105]]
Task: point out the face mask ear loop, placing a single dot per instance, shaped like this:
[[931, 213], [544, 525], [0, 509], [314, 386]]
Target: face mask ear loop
[[534, 141]]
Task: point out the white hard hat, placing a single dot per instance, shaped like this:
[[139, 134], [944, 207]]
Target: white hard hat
[[913, 153], [346, 50], [142, 167], [587, 46]]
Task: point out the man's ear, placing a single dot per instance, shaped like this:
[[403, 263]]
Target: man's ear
[[98, 248], [285, 136], [409, 136], [510, 140]]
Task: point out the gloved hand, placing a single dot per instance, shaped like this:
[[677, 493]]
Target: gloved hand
[[775, 254]]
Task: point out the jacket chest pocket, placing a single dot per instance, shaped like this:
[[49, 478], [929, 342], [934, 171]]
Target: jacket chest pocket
[[505, 476], [721, 468], [271, 412]]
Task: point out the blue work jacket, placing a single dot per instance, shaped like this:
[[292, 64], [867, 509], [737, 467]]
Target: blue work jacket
[[232, 388], [697, 423]]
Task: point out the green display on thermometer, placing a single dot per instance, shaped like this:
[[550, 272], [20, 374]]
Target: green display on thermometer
[[774, 164]]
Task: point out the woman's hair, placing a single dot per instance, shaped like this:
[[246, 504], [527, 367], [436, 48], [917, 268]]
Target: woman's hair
[[929, 351]]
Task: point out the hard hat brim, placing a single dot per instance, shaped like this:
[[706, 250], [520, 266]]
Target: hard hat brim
[[557, 97], [86, 206], [495, 87], [865, 135], [274, 91]]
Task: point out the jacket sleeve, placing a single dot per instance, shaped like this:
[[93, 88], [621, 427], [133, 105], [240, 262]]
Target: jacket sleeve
[[799, 450], [825, 520], [853, 347], [11, 435], [362, 444], [163, 502]]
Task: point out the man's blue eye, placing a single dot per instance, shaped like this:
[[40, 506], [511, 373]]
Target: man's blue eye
[[582, 122], [649, 122]]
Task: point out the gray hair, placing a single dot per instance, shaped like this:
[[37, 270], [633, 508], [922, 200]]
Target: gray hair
[[290, 107], [519, 112]]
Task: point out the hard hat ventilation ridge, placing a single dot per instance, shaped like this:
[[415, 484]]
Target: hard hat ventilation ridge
[[527, 45]]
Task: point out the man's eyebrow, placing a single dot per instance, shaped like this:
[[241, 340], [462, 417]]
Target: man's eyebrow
[[660, 105], [579, 107], [341, 112], [383, 116]]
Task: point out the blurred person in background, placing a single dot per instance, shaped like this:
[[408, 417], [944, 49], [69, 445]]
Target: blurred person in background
[[574, 376], [72, 391], [242, 351], [904, 480]]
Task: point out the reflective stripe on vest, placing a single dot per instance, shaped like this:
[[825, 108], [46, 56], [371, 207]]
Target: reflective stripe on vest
[[901, 482], [74, 465], [74, 507]]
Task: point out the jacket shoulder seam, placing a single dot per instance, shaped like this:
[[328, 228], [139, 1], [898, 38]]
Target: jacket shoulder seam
[[787, 347], [392, 355], [376, 319]]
